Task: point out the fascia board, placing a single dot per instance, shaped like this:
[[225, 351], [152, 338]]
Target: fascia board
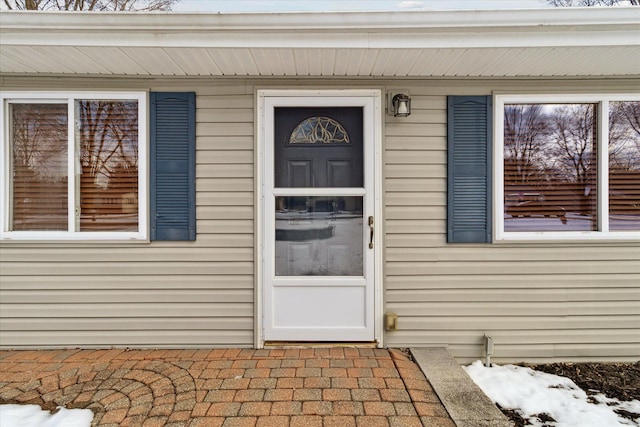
[[343, 39], [314, 40], [614, 26], [189, 22]]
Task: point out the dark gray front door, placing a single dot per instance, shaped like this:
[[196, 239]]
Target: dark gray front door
[[318, 147]]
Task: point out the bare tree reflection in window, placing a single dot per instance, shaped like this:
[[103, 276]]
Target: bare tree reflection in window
[[525, 129], [573, 151], [108, 138], [39, 162], [550, 168], [624, 166]]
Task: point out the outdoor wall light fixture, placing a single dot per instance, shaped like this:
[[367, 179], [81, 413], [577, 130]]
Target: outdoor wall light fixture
[[400, 105]]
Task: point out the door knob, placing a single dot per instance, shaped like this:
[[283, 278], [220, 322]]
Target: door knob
[[370, 232]]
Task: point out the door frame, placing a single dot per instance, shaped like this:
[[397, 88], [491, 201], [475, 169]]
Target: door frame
[[372, 129]]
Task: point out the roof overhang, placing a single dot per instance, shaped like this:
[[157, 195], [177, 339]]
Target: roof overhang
[[552, 42]]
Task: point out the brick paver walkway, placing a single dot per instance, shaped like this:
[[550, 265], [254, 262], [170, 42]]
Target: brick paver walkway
[[310, 387]]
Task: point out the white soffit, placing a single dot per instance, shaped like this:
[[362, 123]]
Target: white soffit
[[507, 43]]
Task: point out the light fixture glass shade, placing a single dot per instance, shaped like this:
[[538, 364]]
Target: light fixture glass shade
[[401, 105]]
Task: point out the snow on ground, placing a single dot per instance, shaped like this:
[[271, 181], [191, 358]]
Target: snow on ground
[[531, 392], [34, 416]]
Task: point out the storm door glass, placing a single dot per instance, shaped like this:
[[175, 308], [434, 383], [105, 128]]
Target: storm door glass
[[320, 231]]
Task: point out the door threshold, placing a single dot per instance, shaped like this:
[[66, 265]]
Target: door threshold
[[317, 344]]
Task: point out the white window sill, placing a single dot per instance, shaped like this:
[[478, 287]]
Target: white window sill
[[568, 237], [53, 237]]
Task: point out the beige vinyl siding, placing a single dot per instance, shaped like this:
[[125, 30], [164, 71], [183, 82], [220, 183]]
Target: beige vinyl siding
[[162, 294], [568, 301], [537, 300]]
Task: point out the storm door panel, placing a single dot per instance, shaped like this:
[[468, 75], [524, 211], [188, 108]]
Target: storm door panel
[[318, 287]]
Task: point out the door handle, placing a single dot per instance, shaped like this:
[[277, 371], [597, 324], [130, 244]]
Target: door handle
[[370, 232]]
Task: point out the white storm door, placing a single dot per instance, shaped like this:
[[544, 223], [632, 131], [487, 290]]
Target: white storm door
[[318, 228]]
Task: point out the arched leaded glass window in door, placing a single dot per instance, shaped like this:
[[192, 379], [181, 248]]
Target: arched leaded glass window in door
[[319, 130], [318, 147]]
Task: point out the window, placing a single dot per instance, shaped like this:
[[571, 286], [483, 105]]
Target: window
[[567, 167], [319, 130], [74, 166]]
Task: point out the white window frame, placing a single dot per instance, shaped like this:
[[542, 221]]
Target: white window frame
[[602, 102], [72, 234]]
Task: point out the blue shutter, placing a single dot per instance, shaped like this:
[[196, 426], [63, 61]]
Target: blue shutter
[[469, 139], [173, 165]]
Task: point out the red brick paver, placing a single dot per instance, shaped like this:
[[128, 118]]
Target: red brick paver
[[315, 387]]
